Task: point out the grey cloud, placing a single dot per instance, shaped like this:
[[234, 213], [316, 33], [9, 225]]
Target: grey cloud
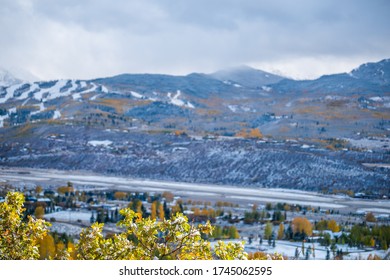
[[99, 38]]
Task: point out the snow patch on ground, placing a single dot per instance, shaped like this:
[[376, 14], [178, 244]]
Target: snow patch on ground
[[136, 94], [57, 115], [70, 216], [12, 110], [232, 108], [375, 210], [76, 96], [55, 91], [288, 249], [189, 105], [10, 93], [265, 88], [94, 97], [41, 109], [2, 118], [104, 89], [100, 143], [178, 102], [374, 143], [376, 99]]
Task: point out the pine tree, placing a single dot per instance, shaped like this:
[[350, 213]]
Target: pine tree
[[296, 253], [92, 219], [314, 251]]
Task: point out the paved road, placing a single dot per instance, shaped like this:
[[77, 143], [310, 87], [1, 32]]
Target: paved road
[[22, 176]]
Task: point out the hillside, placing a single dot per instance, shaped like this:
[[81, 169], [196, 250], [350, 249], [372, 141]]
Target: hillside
[[194, 128]]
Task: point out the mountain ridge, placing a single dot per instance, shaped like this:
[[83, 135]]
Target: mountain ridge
[[311, 135], [361, 94]]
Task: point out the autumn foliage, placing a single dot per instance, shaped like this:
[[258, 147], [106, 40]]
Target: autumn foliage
[[140, 239], [252, 133], [302, 225]]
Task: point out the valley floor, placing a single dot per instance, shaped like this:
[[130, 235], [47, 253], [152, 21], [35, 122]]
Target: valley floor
[[243, 195]]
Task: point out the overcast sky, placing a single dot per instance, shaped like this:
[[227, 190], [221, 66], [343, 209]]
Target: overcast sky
[[96, 38]]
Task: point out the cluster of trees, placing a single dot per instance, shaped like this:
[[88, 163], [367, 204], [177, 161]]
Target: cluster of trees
[[226, 232], [364, 235], [360, 235], [141, 239], [252, 133], [327, 225], [55, 246], [256, 216]]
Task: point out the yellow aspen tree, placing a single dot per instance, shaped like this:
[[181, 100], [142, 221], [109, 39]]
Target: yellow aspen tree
[[39, 212], [72, 251], [161, 213], [302, 225], [19, 239], [153, 211], [255, 133], [47, 248], [333, 226], [281, 231]]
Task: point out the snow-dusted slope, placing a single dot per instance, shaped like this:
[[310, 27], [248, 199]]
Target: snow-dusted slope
[[45, 91], [36, 96]]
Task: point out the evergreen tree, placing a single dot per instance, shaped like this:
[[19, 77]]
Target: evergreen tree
[[296, 253], [92, 219], [314, 251], [307, 255]]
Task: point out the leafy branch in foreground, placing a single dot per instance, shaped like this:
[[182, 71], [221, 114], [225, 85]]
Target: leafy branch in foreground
[[141, 239], [18, 239]]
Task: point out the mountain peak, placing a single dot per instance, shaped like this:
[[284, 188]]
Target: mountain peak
[[7, 79], [246, 76], [375, 72]]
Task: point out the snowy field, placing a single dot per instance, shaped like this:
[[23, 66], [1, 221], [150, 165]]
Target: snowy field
[[72, 230], [70, 216], [288, 249]]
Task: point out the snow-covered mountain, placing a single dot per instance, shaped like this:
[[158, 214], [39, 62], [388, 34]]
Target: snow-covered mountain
[[222, 102], [246, 76], [378, 73], [7, 78]]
